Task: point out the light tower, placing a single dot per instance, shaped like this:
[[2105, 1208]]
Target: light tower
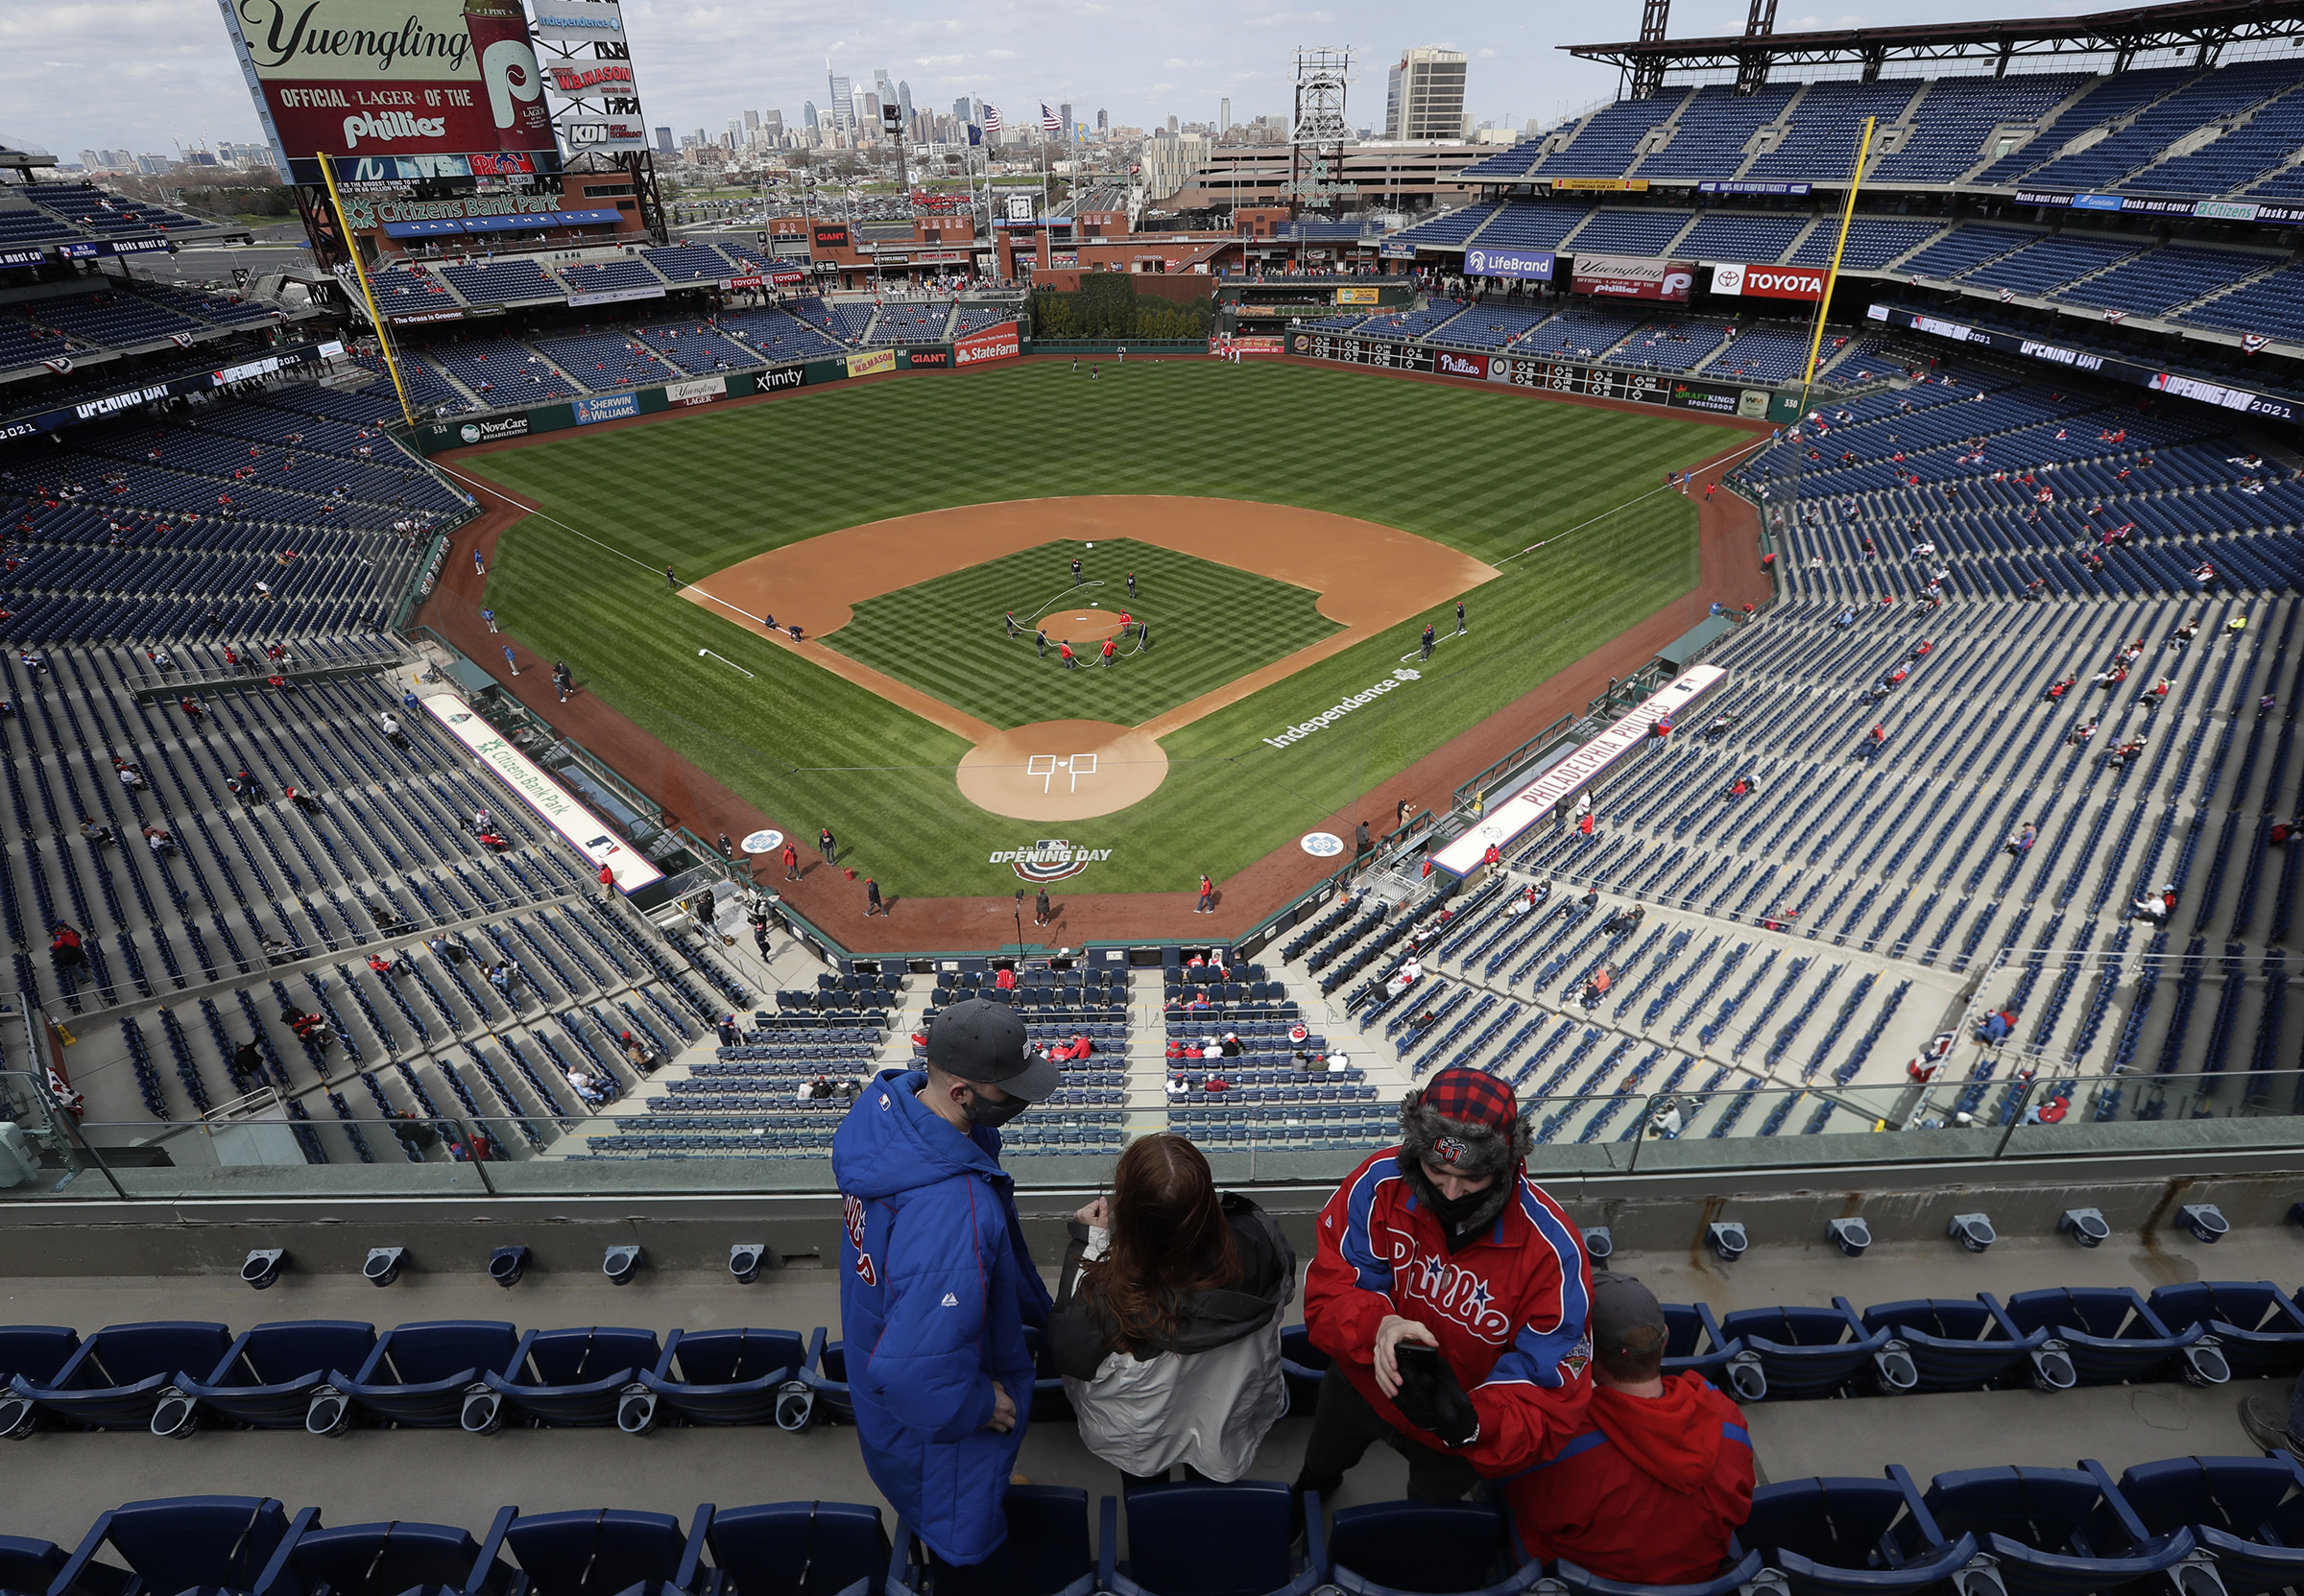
[[1319, 132]]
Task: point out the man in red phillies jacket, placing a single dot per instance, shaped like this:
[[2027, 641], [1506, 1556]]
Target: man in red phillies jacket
[[1660, 1476], [1443, 1242]]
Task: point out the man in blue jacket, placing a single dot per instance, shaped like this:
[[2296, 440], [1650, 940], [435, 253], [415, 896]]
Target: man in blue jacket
[[935, 1283]]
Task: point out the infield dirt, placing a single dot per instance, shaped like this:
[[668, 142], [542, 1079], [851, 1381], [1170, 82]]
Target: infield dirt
[[1369, 577]]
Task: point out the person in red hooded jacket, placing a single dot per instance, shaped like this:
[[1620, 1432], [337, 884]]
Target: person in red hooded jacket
[[1444, 1243], [1658, 1476]]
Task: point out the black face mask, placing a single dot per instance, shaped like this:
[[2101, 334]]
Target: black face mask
[[984, 1111], [1453, 1212]]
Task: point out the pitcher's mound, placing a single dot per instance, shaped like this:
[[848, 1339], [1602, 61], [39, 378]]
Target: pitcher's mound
[[1062, 770]]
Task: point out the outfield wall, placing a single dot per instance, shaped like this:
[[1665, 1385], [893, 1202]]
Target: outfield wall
[[1553, 377]]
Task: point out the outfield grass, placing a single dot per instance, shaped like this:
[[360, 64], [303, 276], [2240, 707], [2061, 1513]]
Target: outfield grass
[[1485, 472], [1209, 623]]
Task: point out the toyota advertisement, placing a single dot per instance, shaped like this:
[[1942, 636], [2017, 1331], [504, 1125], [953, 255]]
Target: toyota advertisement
[[1529, 265], [1769, 282], [391, 77], [1627, 277]]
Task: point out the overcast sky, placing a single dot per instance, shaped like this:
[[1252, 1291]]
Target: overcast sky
[[149, 73]]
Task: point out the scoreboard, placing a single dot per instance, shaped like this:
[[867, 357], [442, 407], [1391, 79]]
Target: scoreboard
[[1557, 376]]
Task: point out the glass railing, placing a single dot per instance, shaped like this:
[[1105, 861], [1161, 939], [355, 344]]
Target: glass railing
[[259, 1147]]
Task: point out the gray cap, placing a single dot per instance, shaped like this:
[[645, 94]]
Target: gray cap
[[1621, 1307], [984, 1043]]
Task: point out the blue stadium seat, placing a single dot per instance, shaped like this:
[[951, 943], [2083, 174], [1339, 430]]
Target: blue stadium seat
[[2257, 1328], [1957, 1345], [1694, 1340], [118, 1377], [1458, 1548], [419, 1373], [1808, 1351], [1582, 1581], [387, 1560], [574, 1376], [731, 1377], [267, 1378], [2246, 1513], [1046, 1552], [795, 1548], [2060, 1531], [1302, 1365], [1209, 1540], [2112, 1336], [1854, 1537], [28, 1567], [181, 1543], [598, 1551]]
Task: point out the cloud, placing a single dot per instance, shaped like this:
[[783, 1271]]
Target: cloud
[[1487, 55], [1289, 20]]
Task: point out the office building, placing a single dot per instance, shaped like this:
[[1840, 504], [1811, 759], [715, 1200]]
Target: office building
[[843, 102], [1423, 95]]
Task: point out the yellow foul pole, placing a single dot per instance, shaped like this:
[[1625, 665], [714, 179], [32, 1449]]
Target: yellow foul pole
[[344, 230], [1831, 273]]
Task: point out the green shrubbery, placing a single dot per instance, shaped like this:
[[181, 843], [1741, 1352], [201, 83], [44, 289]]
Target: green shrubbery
[[1106, 306]]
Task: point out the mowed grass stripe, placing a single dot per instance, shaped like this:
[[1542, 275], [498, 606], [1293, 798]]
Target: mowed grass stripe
[[1210, 624], [1487, 472]]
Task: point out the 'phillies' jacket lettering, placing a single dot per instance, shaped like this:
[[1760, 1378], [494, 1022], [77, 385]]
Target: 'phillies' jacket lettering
[[1510, 1309]]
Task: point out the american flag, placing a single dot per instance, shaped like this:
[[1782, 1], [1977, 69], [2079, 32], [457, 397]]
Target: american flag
[[992, 120], [1050, 122]]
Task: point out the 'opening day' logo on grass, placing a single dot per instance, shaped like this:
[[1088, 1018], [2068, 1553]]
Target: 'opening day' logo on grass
[[1050, 859], [1304, 728]]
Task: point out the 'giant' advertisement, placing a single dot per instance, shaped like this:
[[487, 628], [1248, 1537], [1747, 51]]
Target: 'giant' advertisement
[[390, 77]]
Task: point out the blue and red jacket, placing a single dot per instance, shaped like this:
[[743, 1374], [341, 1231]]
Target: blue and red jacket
[[1510, 1310], [936, 1287], [1648, 1492]]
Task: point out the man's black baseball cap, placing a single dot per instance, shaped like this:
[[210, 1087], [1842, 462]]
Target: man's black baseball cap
[[984, 1043]]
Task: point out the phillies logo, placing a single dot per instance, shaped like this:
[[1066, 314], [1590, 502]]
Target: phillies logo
[[1450, 1288], [1450, 1148], [851, 1220]]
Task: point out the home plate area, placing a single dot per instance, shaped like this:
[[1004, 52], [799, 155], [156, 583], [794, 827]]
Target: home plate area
[[1062, 770]]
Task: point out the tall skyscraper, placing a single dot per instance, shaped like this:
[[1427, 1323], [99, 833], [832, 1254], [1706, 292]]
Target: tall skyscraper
[[1065, 111], [1171, 122], [1103, 121], [751, 120], [808, 115], [1424, 94], [663, 141], [903, 98], [1223, 117], [842, 102]]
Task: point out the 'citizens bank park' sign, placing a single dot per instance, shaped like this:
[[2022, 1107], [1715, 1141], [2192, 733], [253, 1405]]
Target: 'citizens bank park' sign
[[390, 77]]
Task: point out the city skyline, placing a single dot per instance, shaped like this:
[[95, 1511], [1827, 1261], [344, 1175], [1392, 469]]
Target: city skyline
[[181, 84]]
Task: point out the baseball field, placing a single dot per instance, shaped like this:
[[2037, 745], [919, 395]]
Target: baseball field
[[1292, 531]]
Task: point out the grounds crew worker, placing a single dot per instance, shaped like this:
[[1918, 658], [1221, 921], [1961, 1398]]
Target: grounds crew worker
[[1443, 1242], [936, 1285]]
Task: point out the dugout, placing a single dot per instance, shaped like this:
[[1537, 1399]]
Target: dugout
[[1693, 644]]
